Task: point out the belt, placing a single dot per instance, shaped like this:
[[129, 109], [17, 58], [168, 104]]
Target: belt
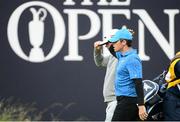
[[126, 99]]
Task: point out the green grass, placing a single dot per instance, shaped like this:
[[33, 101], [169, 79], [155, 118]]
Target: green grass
[[15, 110]]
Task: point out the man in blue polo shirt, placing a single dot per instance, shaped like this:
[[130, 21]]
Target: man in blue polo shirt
[[128, 82]]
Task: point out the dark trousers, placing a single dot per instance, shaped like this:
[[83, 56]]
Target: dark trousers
[[171, 107], [126, 109]]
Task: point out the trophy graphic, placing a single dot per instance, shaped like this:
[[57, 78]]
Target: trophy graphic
[[36, 34]]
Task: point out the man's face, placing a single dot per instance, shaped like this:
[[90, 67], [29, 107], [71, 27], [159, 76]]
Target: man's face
[[118, 46], [108, 45]]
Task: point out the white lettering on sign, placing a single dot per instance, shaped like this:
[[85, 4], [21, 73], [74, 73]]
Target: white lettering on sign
[[102, 18]]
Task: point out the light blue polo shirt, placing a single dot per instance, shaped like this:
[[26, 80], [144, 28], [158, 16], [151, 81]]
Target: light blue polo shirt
[[129, 67]]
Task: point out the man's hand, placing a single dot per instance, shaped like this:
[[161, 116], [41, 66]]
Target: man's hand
[[97, 46], [142, 112]]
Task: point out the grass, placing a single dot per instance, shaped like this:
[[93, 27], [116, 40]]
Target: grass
[[15, 110]]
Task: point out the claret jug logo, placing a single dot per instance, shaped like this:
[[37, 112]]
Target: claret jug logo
[[36, 31], [100, 18]]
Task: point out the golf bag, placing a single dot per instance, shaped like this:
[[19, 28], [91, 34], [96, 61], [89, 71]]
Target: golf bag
[[153, 95]]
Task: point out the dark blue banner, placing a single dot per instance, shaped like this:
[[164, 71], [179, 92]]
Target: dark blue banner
[[46, 48]]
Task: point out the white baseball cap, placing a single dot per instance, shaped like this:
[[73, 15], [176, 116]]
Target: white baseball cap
[[108, 36]]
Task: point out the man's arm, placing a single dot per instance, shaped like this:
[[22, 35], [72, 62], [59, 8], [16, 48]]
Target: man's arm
[[99, 59], [140, 98], [139, 91]]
